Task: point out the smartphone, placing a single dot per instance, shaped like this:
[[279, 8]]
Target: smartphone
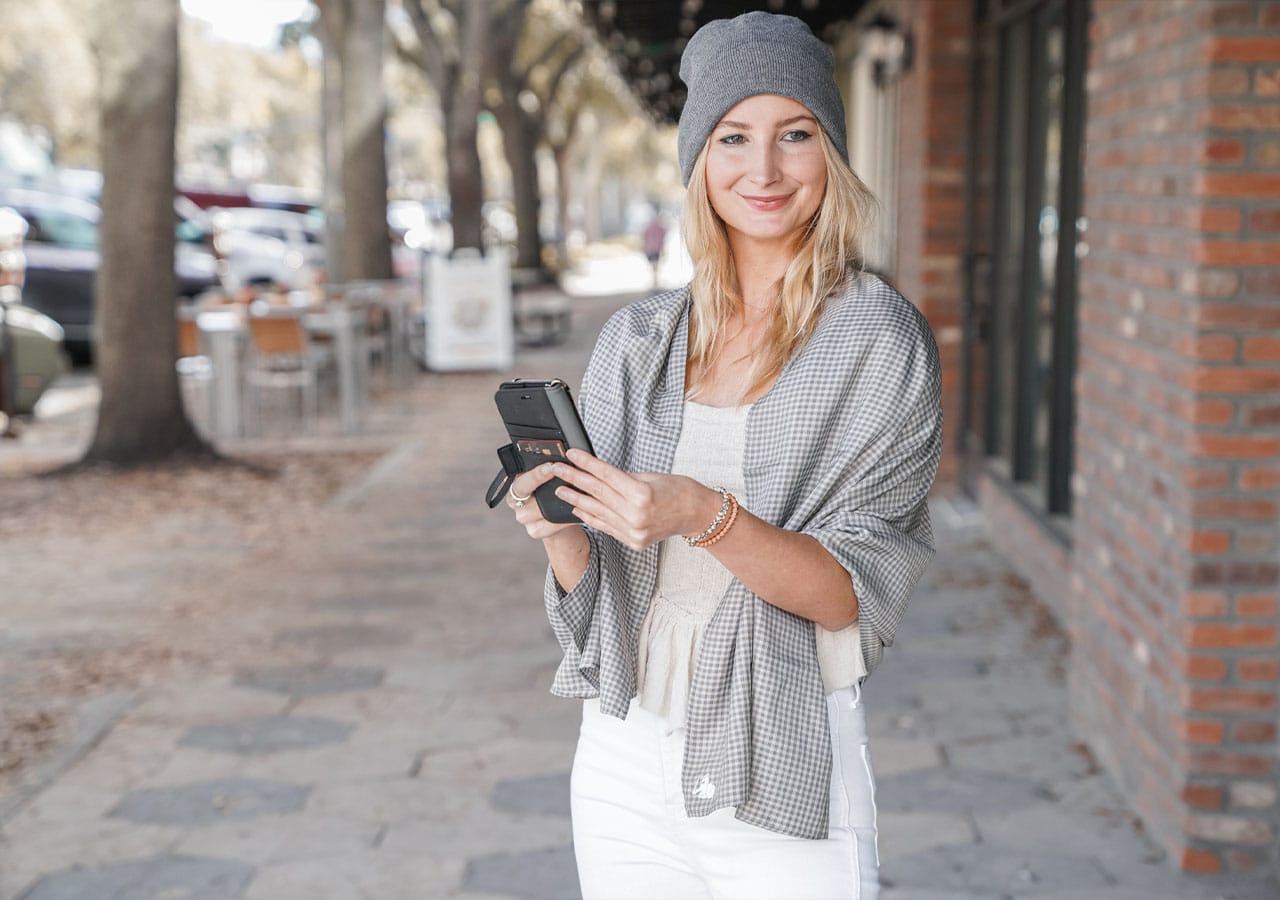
[[543, 424]]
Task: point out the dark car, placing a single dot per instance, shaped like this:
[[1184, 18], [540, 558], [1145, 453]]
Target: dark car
[[62, 259]]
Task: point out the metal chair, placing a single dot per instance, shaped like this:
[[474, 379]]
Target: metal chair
[[281, 357]]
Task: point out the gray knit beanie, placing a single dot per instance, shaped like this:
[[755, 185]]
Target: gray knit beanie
[[729, 60]]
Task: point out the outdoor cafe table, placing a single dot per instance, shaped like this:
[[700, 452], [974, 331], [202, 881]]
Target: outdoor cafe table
[[225, 333]]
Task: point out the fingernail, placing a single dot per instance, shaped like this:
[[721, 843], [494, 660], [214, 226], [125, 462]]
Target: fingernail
[[548, 468]]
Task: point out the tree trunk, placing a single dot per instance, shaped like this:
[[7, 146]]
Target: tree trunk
[[520, 133], [366, 239], [141, 418], [562, 154], [466, 181], [330, 32]]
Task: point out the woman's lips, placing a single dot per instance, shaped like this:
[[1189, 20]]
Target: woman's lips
[[766, 204]]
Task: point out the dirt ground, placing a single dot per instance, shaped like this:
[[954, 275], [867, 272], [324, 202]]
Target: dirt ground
[[104, 576]]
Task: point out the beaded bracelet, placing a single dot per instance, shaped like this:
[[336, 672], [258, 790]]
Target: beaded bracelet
[[724, 529], [715, 524]]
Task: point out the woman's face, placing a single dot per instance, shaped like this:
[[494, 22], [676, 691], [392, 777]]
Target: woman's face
[[766, 174]]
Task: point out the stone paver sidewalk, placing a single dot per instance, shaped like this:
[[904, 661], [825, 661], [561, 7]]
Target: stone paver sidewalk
[[378, 724]]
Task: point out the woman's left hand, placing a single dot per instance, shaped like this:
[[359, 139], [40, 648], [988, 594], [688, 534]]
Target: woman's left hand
[[638, 509]]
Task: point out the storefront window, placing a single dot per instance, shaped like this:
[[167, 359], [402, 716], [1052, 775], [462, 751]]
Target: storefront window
[[1026, 340]]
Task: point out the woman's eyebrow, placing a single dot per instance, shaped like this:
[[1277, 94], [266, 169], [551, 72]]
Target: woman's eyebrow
[[744, 126]]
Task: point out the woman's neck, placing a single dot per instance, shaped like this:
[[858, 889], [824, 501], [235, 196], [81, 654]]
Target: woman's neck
[[759, 266]]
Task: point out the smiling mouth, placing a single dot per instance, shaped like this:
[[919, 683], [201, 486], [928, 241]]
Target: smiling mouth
[[766, 203]]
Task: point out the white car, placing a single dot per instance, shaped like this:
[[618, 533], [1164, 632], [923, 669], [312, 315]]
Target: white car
[[268, 247]]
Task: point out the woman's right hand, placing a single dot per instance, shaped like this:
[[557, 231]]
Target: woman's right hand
[[527, 511]]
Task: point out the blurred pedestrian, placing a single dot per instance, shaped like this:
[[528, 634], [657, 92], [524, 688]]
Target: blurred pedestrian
[[755, 516], [655, 236]]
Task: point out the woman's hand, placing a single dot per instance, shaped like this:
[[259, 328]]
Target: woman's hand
[[637, 509], [527, 511]]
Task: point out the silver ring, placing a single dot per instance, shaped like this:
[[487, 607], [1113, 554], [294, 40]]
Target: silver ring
[[519, 501]]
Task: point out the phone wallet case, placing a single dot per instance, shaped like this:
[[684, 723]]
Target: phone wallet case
[[542, 423]]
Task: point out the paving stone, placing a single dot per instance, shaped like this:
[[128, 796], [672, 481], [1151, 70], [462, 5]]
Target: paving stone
[[490, 761], [306, 680], [163, 878], [31, 850], [366, 875], [1038, 758], [211, 801], [952, 790], [331, 638], [267, 735], [478, 830], [192, 703], [902, 834], [281, 838], [546, 795], [540, 875], [396, 800], [897, 756], [996, 871], [362, 758]]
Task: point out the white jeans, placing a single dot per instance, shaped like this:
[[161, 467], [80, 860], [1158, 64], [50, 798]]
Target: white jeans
[[632, 838]]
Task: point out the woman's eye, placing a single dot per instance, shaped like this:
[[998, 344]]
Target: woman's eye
[[796, 136], [732, 139]]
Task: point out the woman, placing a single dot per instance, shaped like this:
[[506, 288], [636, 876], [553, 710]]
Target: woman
[[755, 513]]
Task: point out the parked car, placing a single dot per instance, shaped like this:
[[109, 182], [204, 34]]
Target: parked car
[[62, 260], [268, 246]]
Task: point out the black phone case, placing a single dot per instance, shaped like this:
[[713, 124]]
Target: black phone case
[[542, 422]]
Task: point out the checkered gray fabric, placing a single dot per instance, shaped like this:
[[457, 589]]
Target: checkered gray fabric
[[844, 447]]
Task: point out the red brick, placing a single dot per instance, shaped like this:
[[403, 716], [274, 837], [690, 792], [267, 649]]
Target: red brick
[[1201, 862], [1266, 154], [1262, 349], [1223, 151], [1232, 380], [1218, 634], [1203, 796], [1236, 446], [1259, 477], [1270, 17], [1213, 412], [1210, 542], [1234, 508], [1199, 731], [1224, 762], [1236, 184], [1243, 861], [1236, 572], [1240, 118], [1229, 700], [1253, 732], [1241, 50], [1263, 284], [1209, 347], [1264, 219], [1206, 478], [1263, 416], [1241, 315], [1266, 83], [1221, 14], [1205, 668], [1257, 606], [1238, 253], [1205, 605], [1258, 668]]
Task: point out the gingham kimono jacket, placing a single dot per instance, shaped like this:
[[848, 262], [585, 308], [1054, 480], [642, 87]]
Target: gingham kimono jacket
[[843, 448]]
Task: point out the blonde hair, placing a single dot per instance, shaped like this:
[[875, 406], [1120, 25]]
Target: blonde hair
[[830, 249]]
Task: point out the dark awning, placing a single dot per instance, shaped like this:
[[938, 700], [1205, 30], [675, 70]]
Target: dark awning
[[646, 37]]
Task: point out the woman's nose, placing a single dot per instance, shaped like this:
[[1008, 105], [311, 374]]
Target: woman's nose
[[764, 164]]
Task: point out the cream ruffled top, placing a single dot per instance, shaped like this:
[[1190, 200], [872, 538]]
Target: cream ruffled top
[[691, 581]]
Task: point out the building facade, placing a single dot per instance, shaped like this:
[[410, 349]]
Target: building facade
[[1085, 202]]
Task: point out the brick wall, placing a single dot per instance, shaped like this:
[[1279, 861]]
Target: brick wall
[[1177, 486], [933, 105]]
